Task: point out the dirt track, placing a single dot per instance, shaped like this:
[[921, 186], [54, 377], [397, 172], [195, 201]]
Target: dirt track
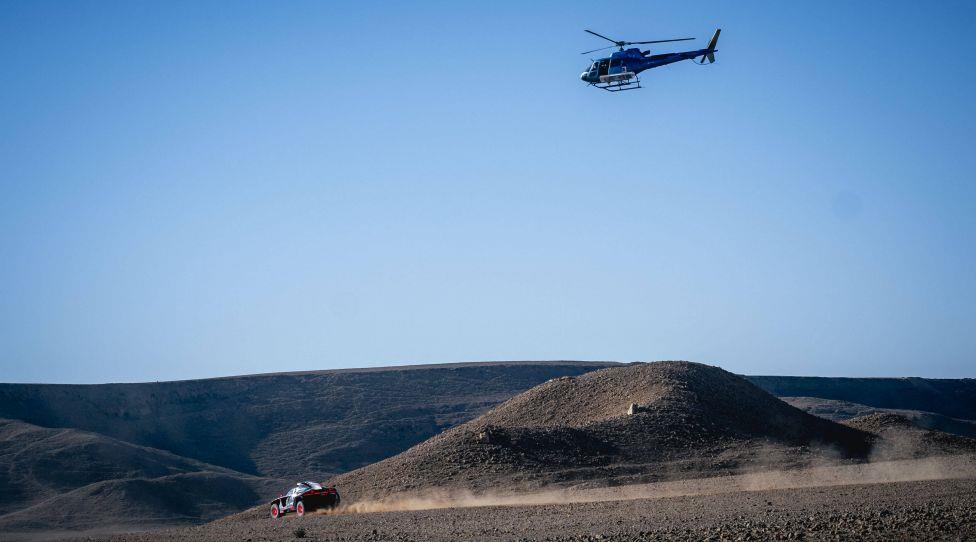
[[717, 509]]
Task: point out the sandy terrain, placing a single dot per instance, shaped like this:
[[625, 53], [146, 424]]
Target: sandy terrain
[[665, 450], [935, 499]]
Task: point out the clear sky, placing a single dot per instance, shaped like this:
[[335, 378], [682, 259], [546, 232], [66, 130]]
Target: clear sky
[[192, 189]]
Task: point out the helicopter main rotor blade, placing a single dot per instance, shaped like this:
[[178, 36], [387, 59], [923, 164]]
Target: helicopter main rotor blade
[[602, 36], [657, 41], [595, 50]]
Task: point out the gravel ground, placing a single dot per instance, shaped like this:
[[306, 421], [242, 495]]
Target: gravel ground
[[920, 510]]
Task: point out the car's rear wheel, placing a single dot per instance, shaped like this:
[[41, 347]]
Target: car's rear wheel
[[275, 512], [300, 509]]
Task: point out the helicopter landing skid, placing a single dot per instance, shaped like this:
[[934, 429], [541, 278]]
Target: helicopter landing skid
[[618, 83]]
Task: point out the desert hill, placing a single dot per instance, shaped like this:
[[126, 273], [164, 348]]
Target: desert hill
[[130, 504], [37, 462], [669, 393], [690, 420], [255, 428], [955, 398], [171, 451], [264, 424], [901, 437], [68, 479], [839, 411]]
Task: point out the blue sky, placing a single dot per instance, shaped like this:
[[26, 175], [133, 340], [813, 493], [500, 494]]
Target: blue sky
[[201, 189]]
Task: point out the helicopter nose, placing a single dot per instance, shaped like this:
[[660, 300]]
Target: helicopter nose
[[583, 76]]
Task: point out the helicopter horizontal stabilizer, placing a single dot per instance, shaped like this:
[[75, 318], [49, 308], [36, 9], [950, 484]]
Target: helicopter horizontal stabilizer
[[707, 58]]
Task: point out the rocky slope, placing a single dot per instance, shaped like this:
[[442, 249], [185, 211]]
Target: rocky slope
[[690, 420]]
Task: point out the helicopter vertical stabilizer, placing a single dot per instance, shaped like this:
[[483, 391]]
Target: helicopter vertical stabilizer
[[711, 45], [714, 41]]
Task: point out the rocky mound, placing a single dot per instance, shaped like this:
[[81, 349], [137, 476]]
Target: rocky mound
[[641, 422], [675, 394]]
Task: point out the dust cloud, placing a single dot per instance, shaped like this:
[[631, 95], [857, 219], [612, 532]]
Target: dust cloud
[[931, 468]]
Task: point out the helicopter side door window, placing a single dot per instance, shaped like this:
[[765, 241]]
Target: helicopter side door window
[[604, 67]]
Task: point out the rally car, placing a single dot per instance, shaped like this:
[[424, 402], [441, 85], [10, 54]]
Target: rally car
[[304, 497]]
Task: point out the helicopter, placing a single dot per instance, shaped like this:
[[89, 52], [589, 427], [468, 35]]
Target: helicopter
[[619, 71]]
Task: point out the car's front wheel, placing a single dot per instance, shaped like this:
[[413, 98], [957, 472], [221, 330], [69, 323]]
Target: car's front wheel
[[300, 509], [275, 511]]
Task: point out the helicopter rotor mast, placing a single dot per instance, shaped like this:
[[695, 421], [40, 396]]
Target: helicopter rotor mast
[[622, 44]]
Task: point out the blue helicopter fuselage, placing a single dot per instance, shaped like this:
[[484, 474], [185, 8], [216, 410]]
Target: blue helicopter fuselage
[[634, 61]]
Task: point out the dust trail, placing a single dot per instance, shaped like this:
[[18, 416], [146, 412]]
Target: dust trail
[[933, 468]]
